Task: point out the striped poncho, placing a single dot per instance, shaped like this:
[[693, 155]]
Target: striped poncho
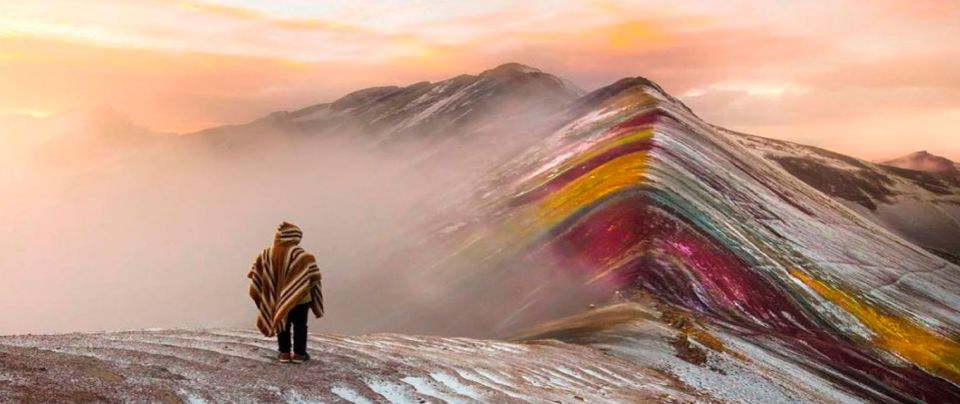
[[281, 277]]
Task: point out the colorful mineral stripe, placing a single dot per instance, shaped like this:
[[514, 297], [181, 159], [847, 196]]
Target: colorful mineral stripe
[[635, 205]]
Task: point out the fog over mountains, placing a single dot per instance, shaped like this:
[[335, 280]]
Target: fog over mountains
[[166, 224], [497, 205]]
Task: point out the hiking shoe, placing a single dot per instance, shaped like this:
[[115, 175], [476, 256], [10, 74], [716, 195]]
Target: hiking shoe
[[300, 358], [284, 357]]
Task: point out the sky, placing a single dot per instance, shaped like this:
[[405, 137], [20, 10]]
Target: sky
[[871, 78]]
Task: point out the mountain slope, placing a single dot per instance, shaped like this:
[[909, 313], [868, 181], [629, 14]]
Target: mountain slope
[[919, 206], [636, 193]]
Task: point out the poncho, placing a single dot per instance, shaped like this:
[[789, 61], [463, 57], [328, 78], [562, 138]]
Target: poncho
[[282, 275]]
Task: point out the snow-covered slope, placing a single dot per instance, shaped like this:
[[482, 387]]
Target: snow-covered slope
[[622, 353], [717, 362], [239, 366], [920, 206]]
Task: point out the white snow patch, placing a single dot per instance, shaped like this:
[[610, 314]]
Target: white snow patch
[[492, 376], [455, 385], [294, 397], [603, 378], [572, 374], [437, 106], [350, 395], [490, 384], [735, 386], [613, 375], [556, 379], [428, 387], [191, 398], [789, 370], [393, 392]]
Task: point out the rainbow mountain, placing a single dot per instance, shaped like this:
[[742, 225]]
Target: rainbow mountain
[[636, 196]]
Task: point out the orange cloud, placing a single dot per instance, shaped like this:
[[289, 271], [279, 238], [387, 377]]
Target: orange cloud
[[163, 90], [631, 35], [307, 24], [225, 10], [187, 64]]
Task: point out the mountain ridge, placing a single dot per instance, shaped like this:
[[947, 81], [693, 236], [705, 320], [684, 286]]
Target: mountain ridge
[[425, 108]]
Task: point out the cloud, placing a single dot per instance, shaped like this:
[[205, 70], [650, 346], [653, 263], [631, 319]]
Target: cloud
[[929, 69], [249, 14], [178, 92], [224, 10], [871, 123], [184, 64]]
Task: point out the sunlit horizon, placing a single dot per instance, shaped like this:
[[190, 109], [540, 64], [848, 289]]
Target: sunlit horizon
[[873, 79]]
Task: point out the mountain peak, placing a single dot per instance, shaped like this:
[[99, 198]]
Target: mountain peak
[[510, 69], [919, 155], [624, 87], [927, 162]]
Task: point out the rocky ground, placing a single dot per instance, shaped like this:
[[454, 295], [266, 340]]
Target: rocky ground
[[238, 366], [630, 352]]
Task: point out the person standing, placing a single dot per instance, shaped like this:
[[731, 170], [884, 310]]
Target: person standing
[[286, 286]]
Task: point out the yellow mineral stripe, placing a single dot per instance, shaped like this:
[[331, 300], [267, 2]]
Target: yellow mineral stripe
[[608, 145], [617, 174], [592, 152], [520, 229], [933, 352]]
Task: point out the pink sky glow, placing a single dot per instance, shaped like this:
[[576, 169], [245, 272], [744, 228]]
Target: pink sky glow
[[874, 79]]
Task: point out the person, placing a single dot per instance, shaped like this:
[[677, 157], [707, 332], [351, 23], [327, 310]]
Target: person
[[285, 284]]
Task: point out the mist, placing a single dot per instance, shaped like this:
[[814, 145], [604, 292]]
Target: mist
[[143, 230]]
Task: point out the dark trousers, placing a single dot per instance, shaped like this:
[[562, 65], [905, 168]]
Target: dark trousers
[[297, 318]]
